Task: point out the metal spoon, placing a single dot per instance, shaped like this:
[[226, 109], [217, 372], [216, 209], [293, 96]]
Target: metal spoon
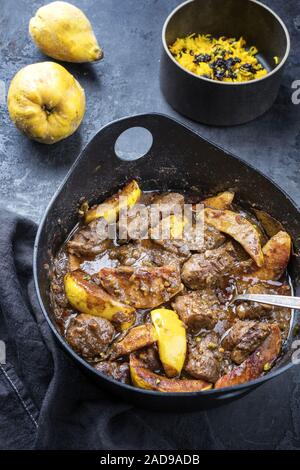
[[278, 300]]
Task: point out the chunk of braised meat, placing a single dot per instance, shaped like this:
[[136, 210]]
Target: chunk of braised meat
[[177, 247], [163, 258], [117, 370], [204, 358], [135, 226], [260, 361], [235, 333], [89, 240], [90, 336], [150, 357], [143, 253], [133, 254], [144, 287], [168, 203], [212, 238], [206, 269], [244, 337], [255, 310], [250, 342], [199, 309], [197, 241]]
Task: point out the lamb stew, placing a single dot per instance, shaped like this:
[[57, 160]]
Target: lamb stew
[[156, 312]]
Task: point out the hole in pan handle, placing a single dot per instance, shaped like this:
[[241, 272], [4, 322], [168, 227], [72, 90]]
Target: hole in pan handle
[[133, 143]]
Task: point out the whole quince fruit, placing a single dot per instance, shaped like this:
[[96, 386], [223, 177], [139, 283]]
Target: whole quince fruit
[[62, 31], [46, 102]]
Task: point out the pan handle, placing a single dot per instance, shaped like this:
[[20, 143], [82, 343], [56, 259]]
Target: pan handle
[[163, 130]]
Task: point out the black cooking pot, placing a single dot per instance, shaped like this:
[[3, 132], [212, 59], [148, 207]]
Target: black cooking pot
[[178, 159], [215, 102]]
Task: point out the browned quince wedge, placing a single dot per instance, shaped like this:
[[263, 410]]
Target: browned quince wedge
[[259, 361], [138, 337], [142, 377], [277, 253], [220, 201], [86, 297], [109, 209], [171, 335], [239, 228]]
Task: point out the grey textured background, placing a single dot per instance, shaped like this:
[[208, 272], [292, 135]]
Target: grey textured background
[[125, 83]]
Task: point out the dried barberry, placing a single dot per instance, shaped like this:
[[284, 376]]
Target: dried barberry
[[202, 58], [248, 68]]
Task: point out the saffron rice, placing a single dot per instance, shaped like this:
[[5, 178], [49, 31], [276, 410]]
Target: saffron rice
[[223, 59]]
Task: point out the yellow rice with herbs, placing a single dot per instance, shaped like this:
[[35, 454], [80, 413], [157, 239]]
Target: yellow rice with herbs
[[223, 59]]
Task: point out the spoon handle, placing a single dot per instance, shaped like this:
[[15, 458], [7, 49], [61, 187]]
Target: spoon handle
[[278, 300]]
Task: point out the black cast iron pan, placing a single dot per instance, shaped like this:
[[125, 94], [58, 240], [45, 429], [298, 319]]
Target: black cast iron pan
[[178, 159]]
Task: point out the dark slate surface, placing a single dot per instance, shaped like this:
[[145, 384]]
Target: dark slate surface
[[125, 83]]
